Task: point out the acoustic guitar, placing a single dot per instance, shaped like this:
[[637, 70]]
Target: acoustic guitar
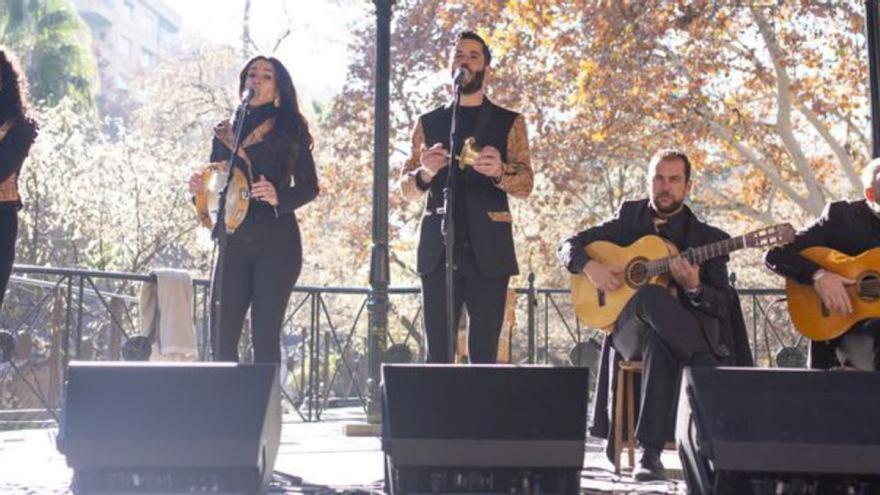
[[646, 261], [816, 321]]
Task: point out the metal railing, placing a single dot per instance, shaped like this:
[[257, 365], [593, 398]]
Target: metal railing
[[61, 314]]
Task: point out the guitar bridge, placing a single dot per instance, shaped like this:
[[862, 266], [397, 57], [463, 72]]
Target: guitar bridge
[[601, 294]]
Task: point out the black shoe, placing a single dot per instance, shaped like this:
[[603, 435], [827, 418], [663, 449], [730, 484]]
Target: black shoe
[[649, 467]]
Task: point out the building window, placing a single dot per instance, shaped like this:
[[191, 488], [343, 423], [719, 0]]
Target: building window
[[149, 23], [129, 8], [148, 59], [165, 37], [124, 46], [121, 81]]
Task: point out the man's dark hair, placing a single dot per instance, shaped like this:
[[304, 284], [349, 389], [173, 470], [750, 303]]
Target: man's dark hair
[[672, 154], [470, 35]]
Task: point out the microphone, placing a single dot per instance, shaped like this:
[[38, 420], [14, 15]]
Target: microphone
[[462, 75], [247, 96]]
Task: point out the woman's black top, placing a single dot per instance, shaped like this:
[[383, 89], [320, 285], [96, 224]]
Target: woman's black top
[[291, 169]]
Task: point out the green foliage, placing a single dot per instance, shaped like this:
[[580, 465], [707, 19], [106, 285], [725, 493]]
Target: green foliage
[[54, 46]]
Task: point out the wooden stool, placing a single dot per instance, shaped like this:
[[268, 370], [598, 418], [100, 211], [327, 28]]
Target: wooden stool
[[626, 379]]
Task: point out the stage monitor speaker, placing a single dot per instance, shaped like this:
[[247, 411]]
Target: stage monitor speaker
[[749, 430], [171, 428], [484, 428]]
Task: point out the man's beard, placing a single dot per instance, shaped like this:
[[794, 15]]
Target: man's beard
[[666, 210], [475, 84]]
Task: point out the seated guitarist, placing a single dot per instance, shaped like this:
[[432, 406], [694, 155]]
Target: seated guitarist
[[665, 329], [850, 227]]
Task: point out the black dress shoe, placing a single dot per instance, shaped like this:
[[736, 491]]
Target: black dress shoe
[[649, 467]]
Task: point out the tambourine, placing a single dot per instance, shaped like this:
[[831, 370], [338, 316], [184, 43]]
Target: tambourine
[[238, 196]]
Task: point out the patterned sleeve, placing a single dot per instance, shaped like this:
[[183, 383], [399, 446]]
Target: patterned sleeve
[[518, 176], [411, 184]]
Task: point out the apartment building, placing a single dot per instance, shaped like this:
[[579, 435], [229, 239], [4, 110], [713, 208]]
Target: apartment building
[[129, 38]]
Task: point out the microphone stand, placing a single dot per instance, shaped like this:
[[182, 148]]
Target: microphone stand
[[221, 237], [448, 230]]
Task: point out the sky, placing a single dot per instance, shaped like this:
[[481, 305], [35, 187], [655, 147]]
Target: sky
[[316, 51]]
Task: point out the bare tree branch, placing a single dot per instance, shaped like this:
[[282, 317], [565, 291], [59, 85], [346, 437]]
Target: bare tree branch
[[852, 127], [763, 164], [844, 160], [815, 197], [729, 204], [280, 39], [246, 41]]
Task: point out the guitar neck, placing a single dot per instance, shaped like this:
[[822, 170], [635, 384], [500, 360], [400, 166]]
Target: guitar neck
[[698, 255]]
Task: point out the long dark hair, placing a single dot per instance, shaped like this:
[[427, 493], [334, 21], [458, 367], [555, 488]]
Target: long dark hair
[[13, 88], [290, 125]]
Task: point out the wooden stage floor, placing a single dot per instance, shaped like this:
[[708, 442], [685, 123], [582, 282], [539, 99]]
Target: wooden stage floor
[[318, 454]]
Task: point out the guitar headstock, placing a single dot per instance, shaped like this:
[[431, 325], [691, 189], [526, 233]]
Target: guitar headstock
[[773, 235]]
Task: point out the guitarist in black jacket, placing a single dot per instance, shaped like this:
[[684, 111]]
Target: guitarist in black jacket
[[850, 227], [483, 250], [665, 329]]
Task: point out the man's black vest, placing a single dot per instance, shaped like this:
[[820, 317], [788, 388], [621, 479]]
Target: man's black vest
[[488, 219]]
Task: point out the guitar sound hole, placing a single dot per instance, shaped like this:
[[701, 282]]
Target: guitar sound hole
[[869, 287], [637, 273]]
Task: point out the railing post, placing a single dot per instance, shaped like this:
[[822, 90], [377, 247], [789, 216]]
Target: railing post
[[65, 339], [305, 355], [546, 328], [56, 353], [531, 312], [114, 331], [79, 316], [314, 351], [325, 370]]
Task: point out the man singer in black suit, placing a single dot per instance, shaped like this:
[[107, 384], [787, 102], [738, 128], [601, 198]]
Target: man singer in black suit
[[483, 249]]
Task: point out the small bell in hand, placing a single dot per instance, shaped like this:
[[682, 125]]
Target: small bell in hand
[[469, 153]]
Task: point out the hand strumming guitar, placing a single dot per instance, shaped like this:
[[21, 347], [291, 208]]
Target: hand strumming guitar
[[831, 288], [605, 277]]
